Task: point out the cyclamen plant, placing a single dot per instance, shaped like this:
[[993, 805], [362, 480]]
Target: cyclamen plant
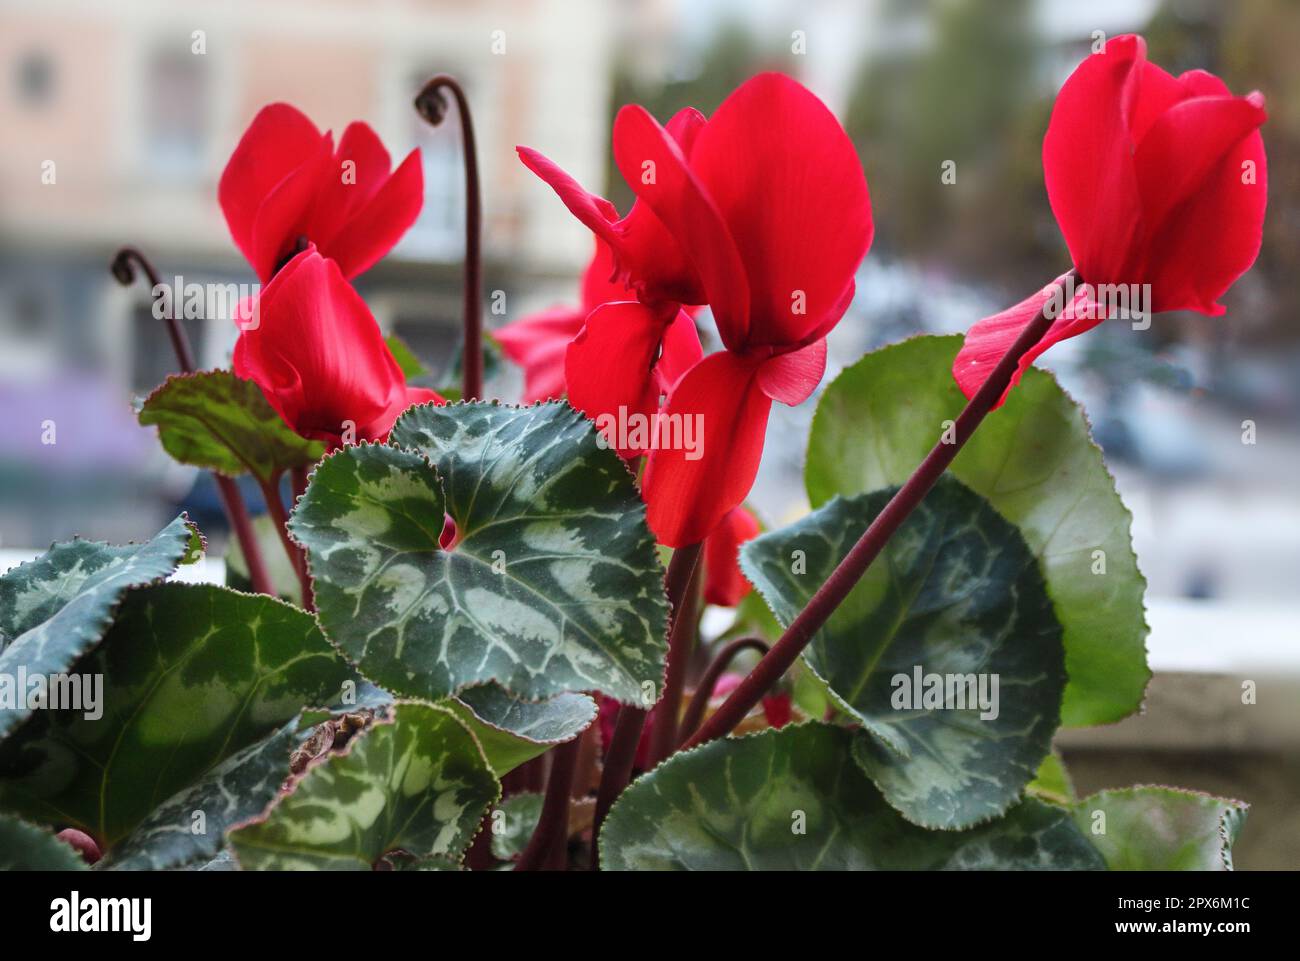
[[472, 655]]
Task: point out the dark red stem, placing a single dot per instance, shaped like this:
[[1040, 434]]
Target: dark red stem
[[681, 644], [300, 488], [275, 507], [709, 680], [546, 848], [850, 570], [479, 856], [620, 758], [432, 106], [123, 269]]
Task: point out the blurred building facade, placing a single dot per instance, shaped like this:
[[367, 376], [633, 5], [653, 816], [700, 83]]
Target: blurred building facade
[[118, 119]]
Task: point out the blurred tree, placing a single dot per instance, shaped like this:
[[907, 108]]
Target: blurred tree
[[963, 101], [731, 57]]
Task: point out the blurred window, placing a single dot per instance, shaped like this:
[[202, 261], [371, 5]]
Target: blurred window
[[35, 78], [176, 121], [28, 336], [433, 340], [152, 357]]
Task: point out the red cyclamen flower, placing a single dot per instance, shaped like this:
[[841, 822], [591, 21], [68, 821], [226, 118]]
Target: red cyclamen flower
[[319, 357], [724, 583], [625, 354], [286, 180], [538, 343], [763, 213], [1155, 180]]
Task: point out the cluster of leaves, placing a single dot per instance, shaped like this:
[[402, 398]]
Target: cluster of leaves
[[238, 730]]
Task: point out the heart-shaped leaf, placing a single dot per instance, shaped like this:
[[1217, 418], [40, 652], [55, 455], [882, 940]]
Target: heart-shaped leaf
[[512, 731], [1034, 461], [793, 800], [26, 847], [216, 420], [518, 815], [552, 583], [235, 790], [415, 786], [56, 608], [1161, 828], [509, 729], [192, 729], [947, 650]]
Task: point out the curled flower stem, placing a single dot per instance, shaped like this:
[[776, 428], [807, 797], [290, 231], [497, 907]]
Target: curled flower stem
[[709, 680], [620, 758], [432, 106], [850, 570], [546, 848], [123, 269]]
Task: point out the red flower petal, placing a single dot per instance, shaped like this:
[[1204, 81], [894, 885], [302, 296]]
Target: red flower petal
[[286, 212], [792, 377], [778, 709], [278, 141], [360, 167], [609, 369], [538, 344], [989, 339], [1208, 244], [653, 165], [681, 351], [1207, 221], [378, 429], [596, 213], [689, 491], [724, 584], [376, 227], [599, 285], [318, 354], [285, 181], [1087, 162], [785, 177], [649, 259]]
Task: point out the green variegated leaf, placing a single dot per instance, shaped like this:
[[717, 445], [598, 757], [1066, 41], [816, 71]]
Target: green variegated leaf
[[56, 608], [26, 847], [1161, 828], [509, 729], [191, 823], [415, 786], [512, 731], [222, 862], [552, 585], [216, 420], [196, 682], [793, 800], [957, 596], [518, 815], [1034, 461], [432, 863]]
